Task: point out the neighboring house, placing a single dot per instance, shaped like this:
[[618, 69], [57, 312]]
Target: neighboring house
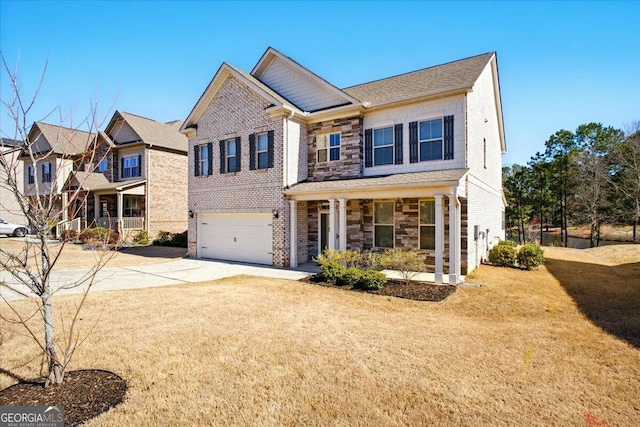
[[283, 164], [137, 180], [54, 153], [10, 210]]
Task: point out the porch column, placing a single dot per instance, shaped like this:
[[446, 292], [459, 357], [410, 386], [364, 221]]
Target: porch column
[[332, 224], [342, 204], [119, 206], [439, 238], [293, 220], [454, 241], [65, 206], [96, 207]]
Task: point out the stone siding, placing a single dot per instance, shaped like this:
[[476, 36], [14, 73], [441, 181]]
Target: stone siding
[[351, 150]]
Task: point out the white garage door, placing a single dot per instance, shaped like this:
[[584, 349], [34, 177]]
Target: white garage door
[[236, 237]]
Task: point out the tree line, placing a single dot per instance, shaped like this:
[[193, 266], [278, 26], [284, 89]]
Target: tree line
[[587, 177]]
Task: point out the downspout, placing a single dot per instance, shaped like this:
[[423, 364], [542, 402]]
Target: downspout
[[285, 168]]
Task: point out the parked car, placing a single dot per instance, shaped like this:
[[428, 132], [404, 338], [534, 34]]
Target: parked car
[[10, 229]]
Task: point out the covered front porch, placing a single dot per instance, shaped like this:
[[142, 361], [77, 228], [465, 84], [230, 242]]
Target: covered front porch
[[418, 211], [122, 210]]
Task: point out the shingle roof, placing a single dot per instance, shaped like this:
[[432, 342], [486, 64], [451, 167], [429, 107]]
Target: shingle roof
[[94, 181], [64, 140], [380, 182], [166, 135], [440, 78]]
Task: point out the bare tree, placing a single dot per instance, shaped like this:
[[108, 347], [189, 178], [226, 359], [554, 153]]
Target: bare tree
[[44, 199]]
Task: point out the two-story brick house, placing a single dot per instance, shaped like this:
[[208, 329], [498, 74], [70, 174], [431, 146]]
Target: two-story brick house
[[283, 164], [138, 181]]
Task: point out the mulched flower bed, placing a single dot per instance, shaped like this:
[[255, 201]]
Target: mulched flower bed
[[418, 291], [83, 394]]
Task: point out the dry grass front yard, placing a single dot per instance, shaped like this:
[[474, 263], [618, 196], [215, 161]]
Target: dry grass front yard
[[526, 348]]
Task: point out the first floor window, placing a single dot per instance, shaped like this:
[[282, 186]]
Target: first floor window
[[383, 146], [427, 224], [430, 140], [131, 167], [263, 151], [103, 166], [46, 172], [132, 207], [30, 178], [231, 155], [383, 224]]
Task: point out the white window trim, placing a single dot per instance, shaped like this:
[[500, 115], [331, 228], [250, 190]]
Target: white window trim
[[392, 145], [258, 151], [393, 225], [420, 141], [46, 176], [132, 176], [323, 143], [420, 224], [227, 156], [204, 148]]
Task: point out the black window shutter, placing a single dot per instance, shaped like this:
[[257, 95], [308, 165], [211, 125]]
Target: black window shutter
[[238, 154], [139, 165], [252, 151], [196, 160], [413, 142], [368, 148], [397, 142], [122, 167], [222, 157], [448, 137], [270, 142], [210, 158], [43, 177]]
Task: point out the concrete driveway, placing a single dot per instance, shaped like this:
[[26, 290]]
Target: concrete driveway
[[152, 275]]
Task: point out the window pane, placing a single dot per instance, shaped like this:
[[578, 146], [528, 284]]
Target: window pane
[[263, 142], [431, 150], [204, 167], [384, 236], [322, 155], [436, 128], [334, 139], [204, 152], [335, 153], [431, 129], [231, 148], [263, 160], [428, 212], [383, 137], [231, 164], [383, 156], [427, 237], [383, 213]]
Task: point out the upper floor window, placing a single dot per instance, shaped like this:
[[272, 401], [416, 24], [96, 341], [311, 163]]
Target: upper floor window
[[103, 166], [383, 146], [262, 151], [328, 147], [383, 224], [46, 172], [30, 177], [131, 166], [430, 140], [230, 155], [203, 159], [428, 224]]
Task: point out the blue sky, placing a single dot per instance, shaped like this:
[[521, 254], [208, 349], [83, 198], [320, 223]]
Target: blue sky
[[561, 63]]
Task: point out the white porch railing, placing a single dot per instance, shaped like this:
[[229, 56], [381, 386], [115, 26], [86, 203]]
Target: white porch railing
[[107, 222], [65, 225], [133, 223]]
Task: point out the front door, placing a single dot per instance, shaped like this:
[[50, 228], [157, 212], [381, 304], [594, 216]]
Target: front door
[[323, 231]]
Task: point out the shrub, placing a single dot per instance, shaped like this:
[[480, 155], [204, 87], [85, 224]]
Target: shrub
[[369, 261], [141, 237], [503, 255], [530, 256], [372, 280], [69, 235], [99, 235], [352, 276], [330, 255], [176, 240], [408, 263], [509, 243], [333, 271]]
